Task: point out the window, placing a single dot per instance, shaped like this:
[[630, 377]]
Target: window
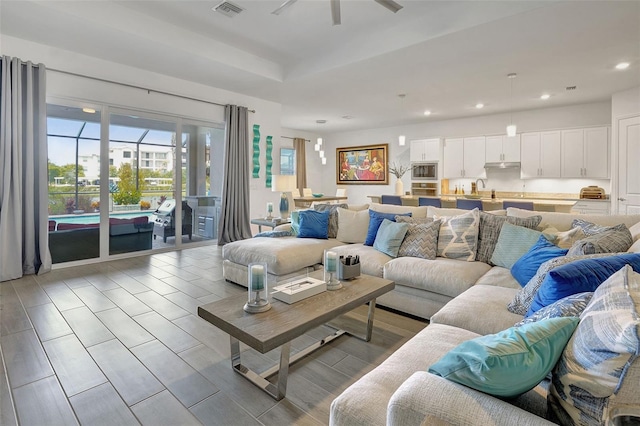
[[287, 161], [126, 154]]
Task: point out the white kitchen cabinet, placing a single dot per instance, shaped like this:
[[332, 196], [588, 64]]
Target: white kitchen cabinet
[[600, 207], [585, 153], [502, 149], [464, 158], [540, 155], [425, 150]]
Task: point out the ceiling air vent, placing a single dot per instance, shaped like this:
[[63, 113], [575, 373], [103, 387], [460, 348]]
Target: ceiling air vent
[[228, 9], [571, 88]]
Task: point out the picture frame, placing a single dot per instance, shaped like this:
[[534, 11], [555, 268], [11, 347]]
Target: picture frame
[[362, 165]]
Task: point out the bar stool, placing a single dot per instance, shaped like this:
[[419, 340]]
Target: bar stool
[[525, 205], [468, 204], [435, 202], [392, 199]]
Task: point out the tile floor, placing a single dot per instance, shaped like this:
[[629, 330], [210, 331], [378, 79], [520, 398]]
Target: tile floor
[[120, 343]]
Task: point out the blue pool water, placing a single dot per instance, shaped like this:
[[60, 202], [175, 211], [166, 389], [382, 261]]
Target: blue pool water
[[95, 217]]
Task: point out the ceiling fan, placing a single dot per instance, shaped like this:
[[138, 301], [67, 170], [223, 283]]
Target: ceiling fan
[[335, 8]]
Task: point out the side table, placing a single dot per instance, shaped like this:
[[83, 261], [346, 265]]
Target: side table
[[270, 223]]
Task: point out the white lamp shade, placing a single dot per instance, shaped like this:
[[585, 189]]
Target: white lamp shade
[[401, 140], [283, 183], [321, 154], [511, 130], [316, 147], [320, 141], [324, 161]]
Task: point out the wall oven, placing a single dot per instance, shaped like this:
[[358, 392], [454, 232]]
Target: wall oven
[[424, 171]]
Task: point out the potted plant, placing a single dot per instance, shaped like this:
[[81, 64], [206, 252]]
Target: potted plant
[[145, 205], [398, 170]]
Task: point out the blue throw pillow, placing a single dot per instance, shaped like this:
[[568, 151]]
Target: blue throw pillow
[[508, 363], [375, 220], [580, 276], [390, 236], [526, 267], [314, 224]]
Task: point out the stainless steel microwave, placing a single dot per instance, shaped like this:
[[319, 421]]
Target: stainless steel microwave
[[424, 171]]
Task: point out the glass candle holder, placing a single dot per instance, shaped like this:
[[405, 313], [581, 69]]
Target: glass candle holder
[[331, 270], [258, 289], [269, 211]]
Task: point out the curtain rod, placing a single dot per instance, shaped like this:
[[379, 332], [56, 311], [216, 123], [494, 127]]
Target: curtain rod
[[289, 137], [140, 87]]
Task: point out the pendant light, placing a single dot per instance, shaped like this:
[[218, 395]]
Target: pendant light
[[511, 128], [402, 140]]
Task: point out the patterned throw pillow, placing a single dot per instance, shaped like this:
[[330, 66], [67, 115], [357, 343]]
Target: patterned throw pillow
[[458, 237], [333, 216], [274, 234], [570, 306], [524, 298], [421, 239], [592, 228], [601, 352], [611, 241], [490, 226]]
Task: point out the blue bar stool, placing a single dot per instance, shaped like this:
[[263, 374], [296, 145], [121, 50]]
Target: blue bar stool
[[525, 205], [392, 199], [468, 204], [435, 202]]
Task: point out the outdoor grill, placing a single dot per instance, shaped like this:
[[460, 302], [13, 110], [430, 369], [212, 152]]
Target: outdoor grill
[[165, 220]]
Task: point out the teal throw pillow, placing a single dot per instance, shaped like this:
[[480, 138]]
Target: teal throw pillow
[[508, 363], [295, 222], [513, 242], [389, 237], [314, 224], [375, 220]]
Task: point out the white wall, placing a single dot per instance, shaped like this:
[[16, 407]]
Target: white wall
[[585, 115], [86, 92]]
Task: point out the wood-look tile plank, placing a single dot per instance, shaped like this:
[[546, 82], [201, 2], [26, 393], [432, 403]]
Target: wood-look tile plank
[[63, 297], [102, 282], [321, 374], [311, 398], [163, 306], [30, 292], [220, 410], [24, 357], [158, 272], [185, 383], [186, 302], [125, 329], [206, 333], [185, 286], [286, 413], [48, 321], [75, 369], [89, 329], [353, 367], [94, 299], [76, 282], [180, 273], [128, 375], [126, 301], [102, 406], [7, 412], [43, 403], [13, 317], [129, 283], [163, 409], [168, 333], [155, 284]]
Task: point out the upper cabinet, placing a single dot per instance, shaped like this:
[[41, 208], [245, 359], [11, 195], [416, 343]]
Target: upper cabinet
[[540, 155], [464, 157], [425, 150], [502, 149], [585, 153]]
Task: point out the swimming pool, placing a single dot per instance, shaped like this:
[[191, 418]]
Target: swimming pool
[[95, 217]]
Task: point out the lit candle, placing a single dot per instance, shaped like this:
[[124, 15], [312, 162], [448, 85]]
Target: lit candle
[[330, 261], [257, 277]]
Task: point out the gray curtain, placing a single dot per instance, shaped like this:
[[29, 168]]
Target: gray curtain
[[24, 212], [301, 162], [235, 219]]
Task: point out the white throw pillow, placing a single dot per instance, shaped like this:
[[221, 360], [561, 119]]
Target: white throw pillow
[[352, 225]]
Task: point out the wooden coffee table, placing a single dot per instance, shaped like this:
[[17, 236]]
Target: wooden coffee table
[[281, 324]]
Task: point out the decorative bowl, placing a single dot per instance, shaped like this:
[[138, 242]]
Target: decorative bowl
[[473, 196], [318, 195]]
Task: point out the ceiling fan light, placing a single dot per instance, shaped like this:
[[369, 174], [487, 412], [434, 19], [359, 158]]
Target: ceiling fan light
[[402, 140], [511, 130]]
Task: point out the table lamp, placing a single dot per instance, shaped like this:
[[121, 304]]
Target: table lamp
[[284, 184]]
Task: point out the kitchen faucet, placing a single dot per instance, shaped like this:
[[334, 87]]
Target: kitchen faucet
[[483, 183]]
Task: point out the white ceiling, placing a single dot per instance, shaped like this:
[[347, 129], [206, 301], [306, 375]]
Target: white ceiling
[[446, 56]]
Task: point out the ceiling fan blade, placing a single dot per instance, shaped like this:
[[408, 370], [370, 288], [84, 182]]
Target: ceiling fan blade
[[335, 12], [390, 4], [283, 6]]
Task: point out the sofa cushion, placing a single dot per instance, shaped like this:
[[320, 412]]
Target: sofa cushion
[[458, 237], [564, 221], [390, 236], [499, 276], [489, 231], [635, 248], [479, 309], [421, 239], [333, 216], [602, 351], [610, 241], [314, 224], [282, 255], [564, 239], [514, 241], [570, 306], [372, 261], [352, 225], [579, 276], [526, 267], [590, 228], [443, 276], [508, 363], [375, 220], [403, 210]]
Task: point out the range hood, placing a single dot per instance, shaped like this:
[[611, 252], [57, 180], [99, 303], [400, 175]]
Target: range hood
[[503, 165]]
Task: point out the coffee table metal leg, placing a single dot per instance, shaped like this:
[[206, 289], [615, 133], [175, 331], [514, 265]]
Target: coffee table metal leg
[[277, 391], [369, 330]]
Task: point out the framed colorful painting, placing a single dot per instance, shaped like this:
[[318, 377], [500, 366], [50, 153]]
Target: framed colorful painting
[[362, 165]]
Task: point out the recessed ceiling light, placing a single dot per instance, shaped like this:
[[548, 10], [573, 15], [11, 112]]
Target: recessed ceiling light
[[545, 96], [427, 112], [89, 110], [321, 121], [622, 66], [479, 105], [347, 117]]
